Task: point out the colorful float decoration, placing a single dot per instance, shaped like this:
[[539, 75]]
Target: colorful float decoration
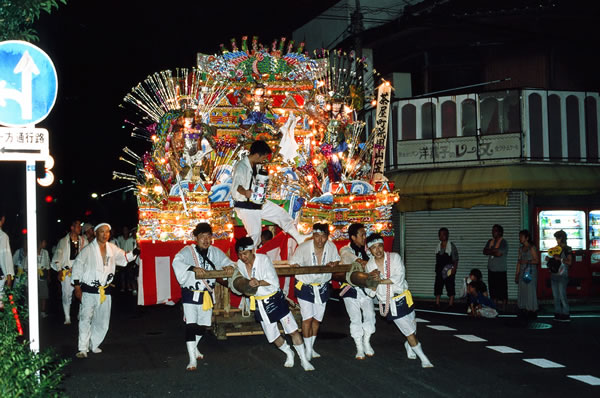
[[200, 120]]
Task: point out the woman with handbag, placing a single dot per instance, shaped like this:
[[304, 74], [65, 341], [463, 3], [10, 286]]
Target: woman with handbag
[[526, 276]]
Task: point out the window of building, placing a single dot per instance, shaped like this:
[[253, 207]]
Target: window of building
[[536, 131], [591, 129], [554, 127], [573, 137], [409, 122], [469, 117], [428, 120], [449, 119], [490, 123]]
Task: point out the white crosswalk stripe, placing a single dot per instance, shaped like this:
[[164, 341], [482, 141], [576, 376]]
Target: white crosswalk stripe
[[504, 349], [441, 328], [543, 363], [470, 338], [591, 380]]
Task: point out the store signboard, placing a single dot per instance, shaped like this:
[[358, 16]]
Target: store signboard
[[459, 149]]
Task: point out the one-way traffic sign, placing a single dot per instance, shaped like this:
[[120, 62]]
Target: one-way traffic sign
[[28, 84], [23, 144]]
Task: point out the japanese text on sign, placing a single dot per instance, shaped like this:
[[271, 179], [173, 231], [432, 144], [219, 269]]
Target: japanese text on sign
[[23, 143], [381, 130]]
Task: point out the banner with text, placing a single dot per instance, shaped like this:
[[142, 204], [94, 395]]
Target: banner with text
[[381, 131]]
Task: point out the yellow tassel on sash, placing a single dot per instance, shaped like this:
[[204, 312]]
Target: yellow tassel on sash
[[300, 284], [408, 295], [102, 293], [62, 274], [40, 272], [207, 303], [254, 298]]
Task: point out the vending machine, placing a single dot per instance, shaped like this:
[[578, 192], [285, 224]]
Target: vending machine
[[574, 223], [594, 249]]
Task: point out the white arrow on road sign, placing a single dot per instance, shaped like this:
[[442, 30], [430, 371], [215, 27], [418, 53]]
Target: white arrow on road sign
[[26, 67], [28, 84]]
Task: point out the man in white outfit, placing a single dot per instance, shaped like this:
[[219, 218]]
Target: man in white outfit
[[197, 293], [252, 214], [358, 304], [93, 272], [62, 262], [7, 271], [312, 290], [395, 300], [268, 302]]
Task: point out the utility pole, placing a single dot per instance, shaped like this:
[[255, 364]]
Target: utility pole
[[356, 29]]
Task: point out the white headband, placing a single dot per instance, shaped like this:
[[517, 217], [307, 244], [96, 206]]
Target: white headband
[[374, 242], [242, 248], [101, 225], [318, 231]]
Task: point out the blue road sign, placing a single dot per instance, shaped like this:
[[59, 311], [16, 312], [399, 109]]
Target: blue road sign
[[28, 84]]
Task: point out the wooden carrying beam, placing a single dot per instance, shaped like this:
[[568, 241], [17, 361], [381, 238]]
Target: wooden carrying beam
[[287, 271]]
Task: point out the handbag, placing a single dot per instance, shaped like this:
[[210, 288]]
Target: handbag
[[527, 277]]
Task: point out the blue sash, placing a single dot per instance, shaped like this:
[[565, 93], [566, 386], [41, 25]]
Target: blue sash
[[275, 306]]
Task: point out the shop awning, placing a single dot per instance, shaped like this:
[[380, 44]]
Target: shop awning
[[468, 187]]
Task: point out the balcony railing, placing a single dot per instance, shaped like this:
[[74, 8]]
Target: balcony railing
[[496, 127]]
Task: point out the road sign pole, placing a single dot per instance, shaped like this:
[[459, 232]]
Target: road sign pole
[[32, 271]]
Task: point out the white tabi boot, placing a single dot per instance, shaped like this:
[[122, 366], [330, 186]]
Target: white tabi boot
[[425, 363], [409, 351], [367, 345], [81, 354], [306, 365], [191, 349], [67, 311], [198, 353], [289, 361], [308, 347], [312, 348], [360, 351]]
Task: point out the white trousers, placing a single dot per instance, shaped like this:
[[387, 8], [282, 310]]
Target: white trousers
[[193, 313], [252, 220], [361, 313], [407, 324], [94, 319], [67, 295]]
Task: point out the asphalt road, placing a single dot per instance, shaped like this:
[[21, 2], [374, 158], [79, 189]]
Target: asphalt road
[[145, 356]]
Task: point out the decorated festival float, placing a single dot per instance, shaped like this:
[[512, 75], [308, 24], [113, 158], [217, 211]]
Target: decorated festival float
[[325, 167]]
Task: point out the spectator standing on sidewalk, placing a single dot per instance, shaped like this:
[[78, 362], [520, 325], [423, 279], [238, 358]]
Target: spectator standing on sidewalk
[[497, 251], [446, 263], [559, 277], [526, 275]]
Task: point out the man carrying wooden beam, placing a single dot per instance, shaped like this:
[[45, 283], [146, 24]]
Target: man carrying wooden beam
[[358, 304], [312, 290], [190, 266], [258, 280]]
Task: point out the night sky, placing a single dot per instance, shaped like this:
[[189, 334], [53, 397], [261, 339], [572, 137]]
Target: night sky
[[101, 49]]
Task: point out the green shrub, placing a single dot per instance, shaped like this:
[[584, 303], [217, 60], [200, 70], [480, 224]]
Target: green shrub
[[24, 373]]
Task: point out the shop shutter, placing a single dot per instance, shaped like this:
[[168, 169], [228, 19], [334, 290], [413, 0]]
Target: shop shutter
[[469, 229]]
